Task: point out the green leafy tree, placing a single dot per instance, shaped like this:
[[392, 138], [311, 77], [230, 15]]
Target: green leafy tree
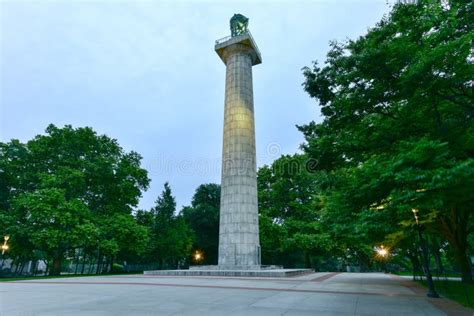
[[123, 238], [51, 222], [171, 237], [69, 178], [290, 230], [398, 121], [203, 218]]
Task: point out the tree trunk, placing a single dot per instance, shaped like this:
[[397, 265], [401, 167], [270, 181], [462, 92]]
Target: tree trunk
[[455, 230], [415, 262], [103, 265], [464, 263], [437, 256], [111, 264], [56, 266], [77, 260], [91, 264], [307, 260], [83, 262], [17, 265], [35, 271], [23, 263], [98, 263], [48, 264]]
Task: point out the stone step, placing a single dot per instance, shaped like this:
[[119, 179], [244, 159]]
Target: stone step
[[271, 273]]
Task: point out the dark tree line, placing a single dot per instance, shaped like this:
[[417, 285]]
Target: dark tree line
[[398, 129], [69, 190], [397, 135], [72, 194]]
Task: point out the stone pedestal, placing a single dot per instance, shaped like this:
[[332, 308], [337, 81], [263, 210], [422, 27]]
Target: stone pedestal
[[206, 272], [239, 244]]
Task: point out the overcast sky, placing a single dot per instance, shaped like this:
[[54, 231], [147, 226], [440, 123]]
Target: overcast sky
[[146, 74]]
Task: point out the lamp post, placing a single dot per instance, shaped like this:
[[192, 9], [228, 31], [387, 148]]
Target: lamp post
[[383, 254], [4, 248], [424, 252], [198, 256]]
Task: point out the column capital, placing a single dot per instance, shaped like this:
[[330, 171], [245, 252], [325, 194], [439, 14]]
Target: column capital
[[239, 44]]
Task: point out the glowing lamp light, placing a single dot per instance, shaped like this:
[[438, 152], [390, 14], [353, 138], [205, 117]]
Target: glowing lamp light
[[382, 251], [198, 256], [5, 246], [416, 214]]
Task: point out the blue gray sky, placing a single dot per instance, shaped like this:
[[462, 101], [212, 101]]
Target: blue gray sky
[[145, 73]]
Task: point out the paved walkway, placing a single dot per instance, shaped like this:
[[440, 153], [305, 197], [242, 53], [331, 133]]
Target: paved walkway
[[312, 294]]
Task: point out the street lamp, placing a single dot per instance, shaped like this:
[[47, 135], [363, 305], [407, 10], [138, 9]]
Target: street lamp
[[424, 252], [383, 253], [198, 256], [4, 248]]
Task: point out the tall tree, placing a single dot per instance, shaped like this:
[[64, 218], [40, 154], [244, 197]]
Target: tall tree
[[398, 118], [203, 218], [65, 184], [171, 237], [51, 222], [289, 215]]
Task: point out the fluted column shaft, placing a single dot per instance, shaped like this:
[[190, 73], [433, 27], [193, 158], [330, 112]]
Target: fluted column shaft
[[239, 243]]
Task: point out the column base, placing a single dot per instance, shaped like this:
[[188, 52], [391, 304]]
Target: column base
[[217, 271], [236, 267]]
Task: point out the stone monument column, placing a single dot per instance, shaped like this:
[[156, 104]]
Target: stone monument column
[[239, 241], [239, 244]]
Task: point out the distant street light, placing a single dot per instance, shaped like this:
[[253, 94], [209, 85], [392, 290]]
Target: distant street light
[[383, 253], [198, 256], [424, 251], [4, 248]]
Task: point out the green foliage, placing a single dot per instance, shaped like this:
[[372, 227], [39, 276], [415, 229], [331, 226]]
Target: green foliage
[[117, 268], [455, 290], [398, 128], [289, 213], [51, 222], [397, 135], [123, 235], [171, 238], [203, 218], [69, 189], [165, 207]]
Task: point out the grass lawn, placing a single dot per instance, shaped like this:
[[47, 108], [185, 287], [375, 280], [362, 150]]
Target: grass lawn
[[9, 279], [449, 275], [455, 290]]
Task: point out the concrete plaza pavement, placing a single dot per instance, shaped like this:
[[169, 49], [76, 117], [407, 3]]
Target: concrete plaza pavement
[[311, 294]]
